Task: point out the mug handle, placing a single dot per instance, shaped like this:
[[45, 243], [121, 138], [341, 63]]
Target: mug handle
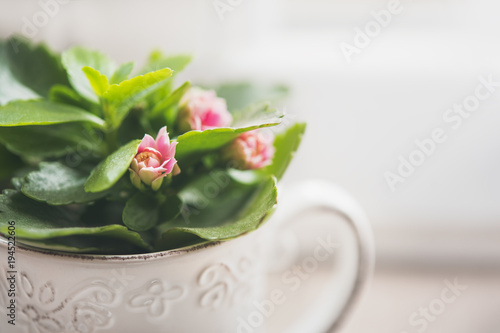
[[325, 195]]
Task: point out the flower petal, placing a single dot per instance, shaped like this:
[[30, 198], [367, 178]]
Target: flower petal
[[171, 151], [251, 150], [169, 165], [163, 142], [162, 132], [155, 185], [147, 141], [196, 123], [176, 170], [153, 163], [134, 166], [147, 175], [135, 179]]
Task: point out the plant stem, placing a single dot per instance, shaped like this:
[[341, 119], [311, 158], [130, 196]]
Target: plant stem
[[111, 133], [112, 139]]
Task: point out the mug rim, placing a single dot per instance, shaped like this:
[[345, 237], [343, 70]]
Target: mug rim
[[140, 257]]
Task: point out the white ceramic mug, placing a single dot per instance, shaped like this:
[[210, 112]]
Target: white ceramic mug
[[220, 287]]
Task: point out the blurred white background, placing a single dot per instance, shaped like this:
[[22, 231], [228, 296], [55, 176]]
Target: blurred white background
[[364, 110]]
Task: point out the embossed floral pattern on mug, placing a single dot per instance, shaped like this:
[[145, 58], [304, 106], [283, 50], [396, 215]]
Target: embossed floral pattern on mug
[[223, 285], [43, 310], [154, 298]]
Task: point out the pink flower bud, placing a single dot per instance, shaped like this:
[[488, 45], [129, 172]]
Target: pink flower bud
[[153, 161], [202, 109], [251, 150]]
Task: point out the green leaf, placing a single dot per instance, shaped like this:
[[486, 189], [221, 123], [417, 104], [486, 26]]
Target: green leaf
[[122, 97], [58, 184], [285, 144], [171, 103], [75, 59], [66, 95], [241, 95], [220, 208], [144, 210], [178, 239], [122, 73], [74, 139], [35, 66], [98, 82], [200, 142], [10, 88], [41, 112], [29, 215], [165, 112], [9, 163], [256, 114], [109, 171], [157, 60], [141, 212], [56, 245], [171, 208], [132, 127], [38, 221]]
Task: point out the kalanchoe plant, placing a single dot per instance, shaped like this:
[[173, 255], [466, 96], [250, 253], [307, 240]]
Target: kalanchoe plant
[[77, 177]]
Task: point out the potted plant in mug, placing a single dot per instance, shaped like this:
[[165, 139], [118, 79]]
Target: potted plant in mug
[[114, 163], [121, 192]]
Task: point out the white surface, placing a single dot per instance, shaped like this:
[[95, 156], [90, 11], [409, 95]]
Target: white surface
[[396, 294]]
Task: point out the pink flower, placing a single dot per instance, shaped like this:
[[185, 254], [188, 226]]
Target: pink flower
[[251, 150], [153, 161], [202, 109]]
